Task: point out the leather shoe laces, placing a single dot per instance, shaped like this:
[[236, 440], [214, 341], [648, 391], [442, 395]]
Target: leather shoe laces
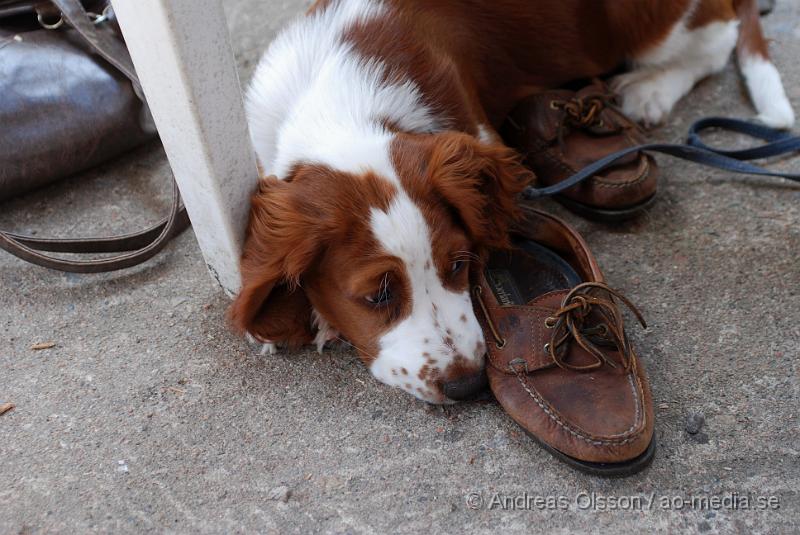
[[589, 317], [585, 113]]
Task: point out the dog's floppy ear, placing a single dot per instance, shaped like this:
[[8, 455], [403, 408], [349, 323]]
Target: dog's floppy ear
[[481, 182], [278, 248]]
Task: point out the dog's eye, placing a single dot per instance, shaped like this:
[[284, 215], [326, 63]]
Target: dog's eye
[[381, 298], [456, 266]]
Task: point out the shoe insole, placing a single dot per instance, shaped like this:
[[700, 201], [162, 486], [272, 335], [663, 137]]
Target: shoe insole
[[526, 272]]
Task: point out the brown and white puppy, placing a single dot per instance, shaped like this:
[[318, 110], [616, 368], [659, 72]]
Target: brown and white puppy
[[375, 121]]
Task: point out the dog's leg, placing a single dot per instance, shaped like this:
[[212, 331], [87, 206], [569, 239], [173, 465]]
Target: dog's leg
[[762, 78], [668, 71]]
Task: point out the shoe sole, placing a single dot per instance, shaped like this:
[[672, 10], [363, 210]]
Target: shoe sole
[[623, 469], [605, 215]]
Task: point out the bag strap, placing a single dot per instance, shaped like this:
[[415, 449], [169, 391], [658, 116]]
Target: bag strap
[[137, 246], [141, 245], [778, 142], [110, 48]]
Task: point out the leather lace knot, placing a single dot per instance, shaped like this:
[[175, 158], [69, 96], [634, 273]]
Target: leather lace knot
[[585, 112], [589, 317]]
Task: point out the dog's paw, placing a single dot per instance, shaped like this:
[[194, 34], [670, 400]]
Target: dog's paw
[[777, 113], [647, 96], [263, 347], [781, 121], [767, 92], [325, 333]]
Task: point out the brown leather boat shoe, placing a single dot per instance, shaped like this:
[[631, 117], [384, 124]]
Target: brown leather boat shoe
[[561, 131], [559, 361]]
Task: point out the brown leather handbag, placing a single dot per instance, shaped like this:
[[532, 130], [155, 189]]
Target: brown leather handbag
[[69, 100]]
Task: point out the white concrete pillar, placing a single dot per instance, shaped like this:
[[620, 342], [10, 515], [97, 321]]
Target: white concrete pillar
[[182, 52]]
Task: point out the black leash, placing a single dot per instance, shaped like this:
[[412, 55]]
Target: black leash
[[777, 142]]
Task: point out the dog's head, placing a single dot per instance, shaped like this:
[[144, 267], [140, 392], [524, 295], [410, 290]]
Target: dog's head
[[382, 256]]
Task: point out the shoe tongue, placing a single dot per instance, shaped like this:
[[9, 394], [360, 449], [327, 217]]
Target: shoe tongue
[[549, 300]]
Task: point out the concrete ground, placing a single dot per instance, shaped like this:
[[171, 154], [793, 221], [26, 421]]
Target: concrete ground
[[149, 416]]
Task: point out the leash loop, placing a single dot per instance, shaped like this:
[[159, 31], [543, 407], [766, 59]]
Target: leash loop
[[777, 143]]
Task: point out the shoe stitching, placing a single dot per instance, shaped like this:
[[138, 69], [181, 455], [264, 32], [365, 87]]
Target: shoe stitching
[[641, 178], [595, 179], [582, 435]]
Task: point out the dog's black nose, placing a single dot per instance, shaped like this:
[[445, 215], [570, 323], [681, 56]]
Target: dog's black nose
[[466, 387]]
